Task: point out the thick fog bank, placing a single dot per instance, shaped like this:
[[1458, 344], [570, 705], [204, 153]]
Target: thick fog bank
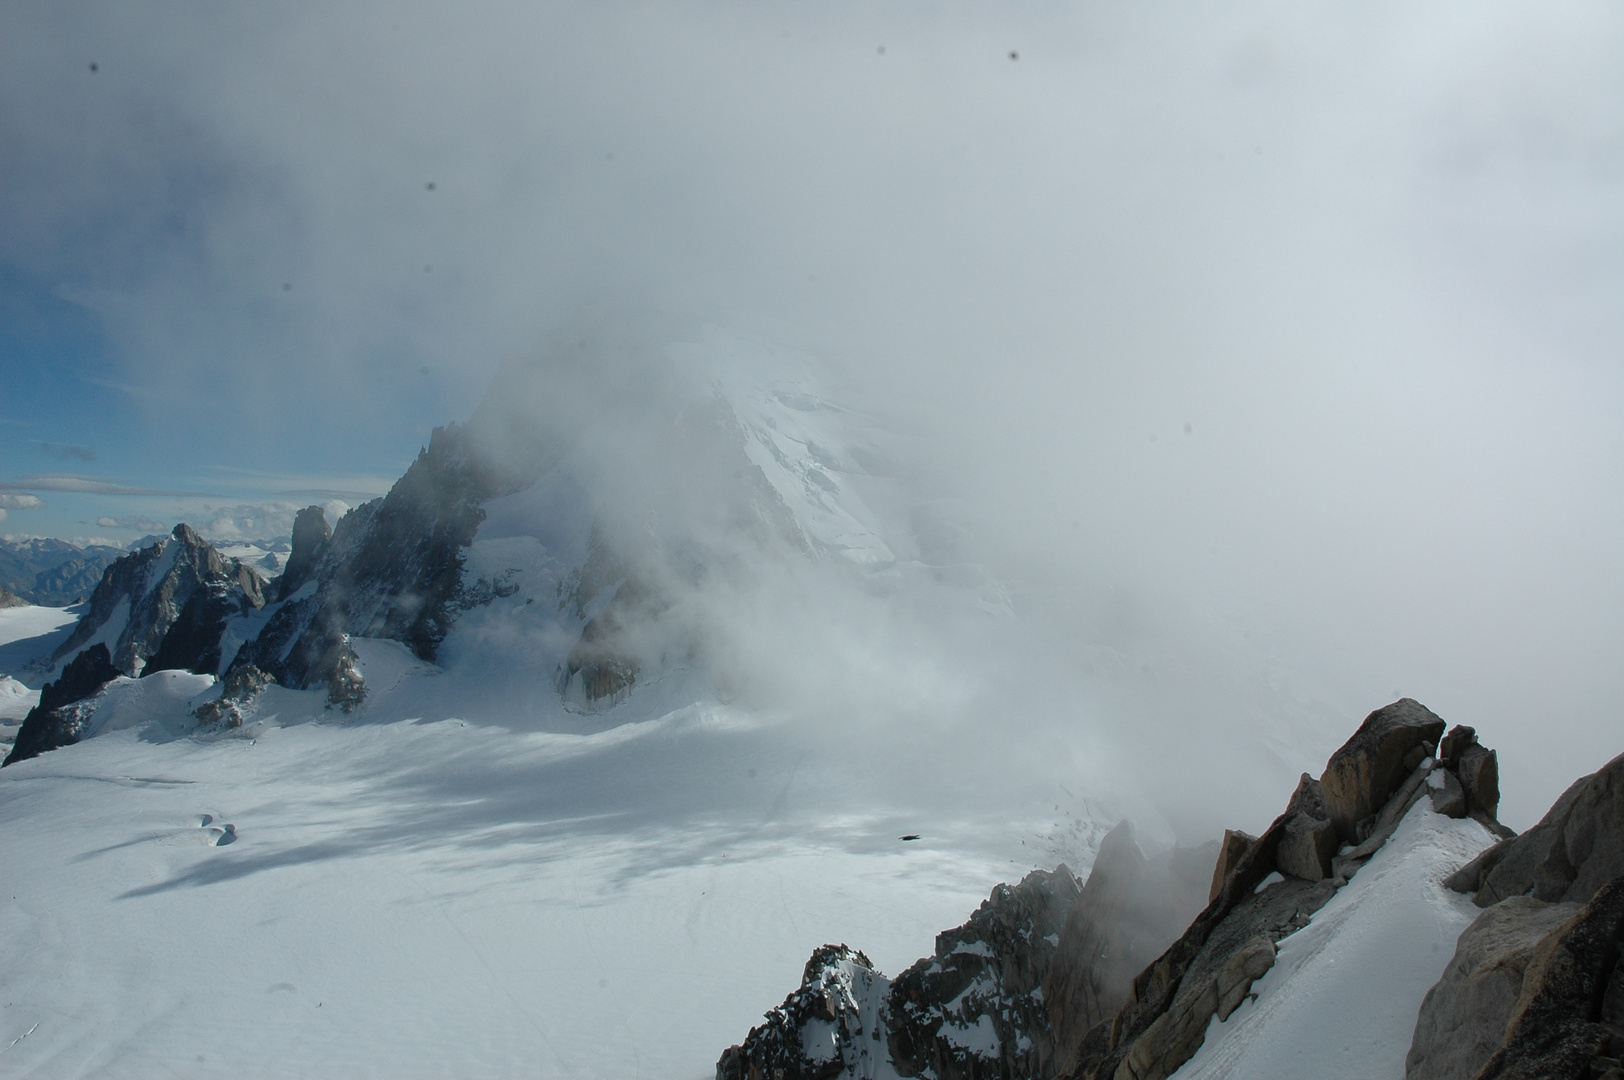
[[1218, 378]]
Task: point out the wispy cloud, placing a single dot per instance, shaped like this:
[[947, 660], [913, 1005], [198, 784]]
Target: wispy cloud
[[92, 485], [133, 522]]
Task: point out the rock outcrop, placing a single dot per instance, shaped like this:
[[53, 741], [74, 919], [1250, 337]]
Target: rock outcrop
[[1536, 988], [57, 721], [148, 594], [1464, 1018], [10, 599], [1046, 980], [1130, 909], [830, 1027], [976, 1007], [1364, 773], [1569, 1018], [1270, 889], [391, 569], [1577, 847]]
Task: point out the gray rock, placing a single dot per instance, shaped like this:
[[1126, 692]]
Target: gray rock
[[1577, 847], [1309, 841], [1569, 1018], [1447, 795], [310, 535], [1234, 845], [1464, 1018], [8, 599], [1479, 772], [1129, 911], [829, 1027], [57, 721], [149, 589], [1363, 774], [988, 972]]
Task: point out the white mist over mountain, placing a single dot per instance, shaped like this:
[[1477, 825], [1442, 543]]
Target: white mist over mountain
[[1246, 370]]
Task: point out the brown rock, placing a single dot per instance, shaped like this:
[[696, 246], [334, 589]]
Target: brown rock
[[1577, 847], [1130, 910], [1234, 845], [1369, 767], [1464, 1018], [1458, 738], [1479, 772], [1569, 1018], [1448, 797]]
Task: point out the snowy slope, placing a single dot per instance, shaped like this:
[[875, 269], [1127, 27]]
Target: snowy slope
[[1342, 997], [429, 898]]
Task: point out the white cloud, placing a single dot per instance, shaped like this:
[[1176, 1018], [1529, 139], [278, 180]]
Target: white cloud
[[11, 500]]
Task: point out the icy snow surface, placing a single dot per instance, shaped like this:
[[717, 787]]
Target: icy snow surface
[[1342, 998], [397, 895]]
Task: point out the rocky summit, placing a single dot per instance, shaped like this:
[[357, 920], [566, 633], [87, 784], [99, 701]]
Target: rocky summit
[[1124, 976]]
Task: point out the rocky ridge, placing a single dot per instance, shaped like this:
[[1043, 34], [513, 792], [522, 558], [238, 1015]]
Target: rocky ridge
[[165, 606], [1536, 988]]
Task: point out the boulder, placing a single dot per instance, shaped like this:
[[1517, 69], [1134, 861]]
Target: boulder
[[1364, 773], [1463, 1019], [1309, 841], [1569, 1018], [1577, 847], [1447, 795], [55, 722], [1234, 845], [1479, 772]]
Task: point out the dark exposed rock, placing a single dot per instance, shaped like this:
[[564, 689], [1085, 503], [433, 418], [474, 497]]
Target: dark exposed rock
[[1209, 970], [604, 663], [1569, 1019], [9, 599], [1234, 845], [1577, 847], [310, 535], [1309, 840], [1464, 1018], [829, 1027], [1447, 795], [1479, 772], [144, 594], [391, 569], [976, 1008], [55, 721], [240, 686], [1369, 767], [1129, 910]]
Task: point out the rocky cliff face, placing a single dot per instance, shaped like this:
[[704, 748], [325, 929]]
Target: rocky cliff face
[[1049, 980], [1536, 986], [180, 584], [57, 720], [391, 569]]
